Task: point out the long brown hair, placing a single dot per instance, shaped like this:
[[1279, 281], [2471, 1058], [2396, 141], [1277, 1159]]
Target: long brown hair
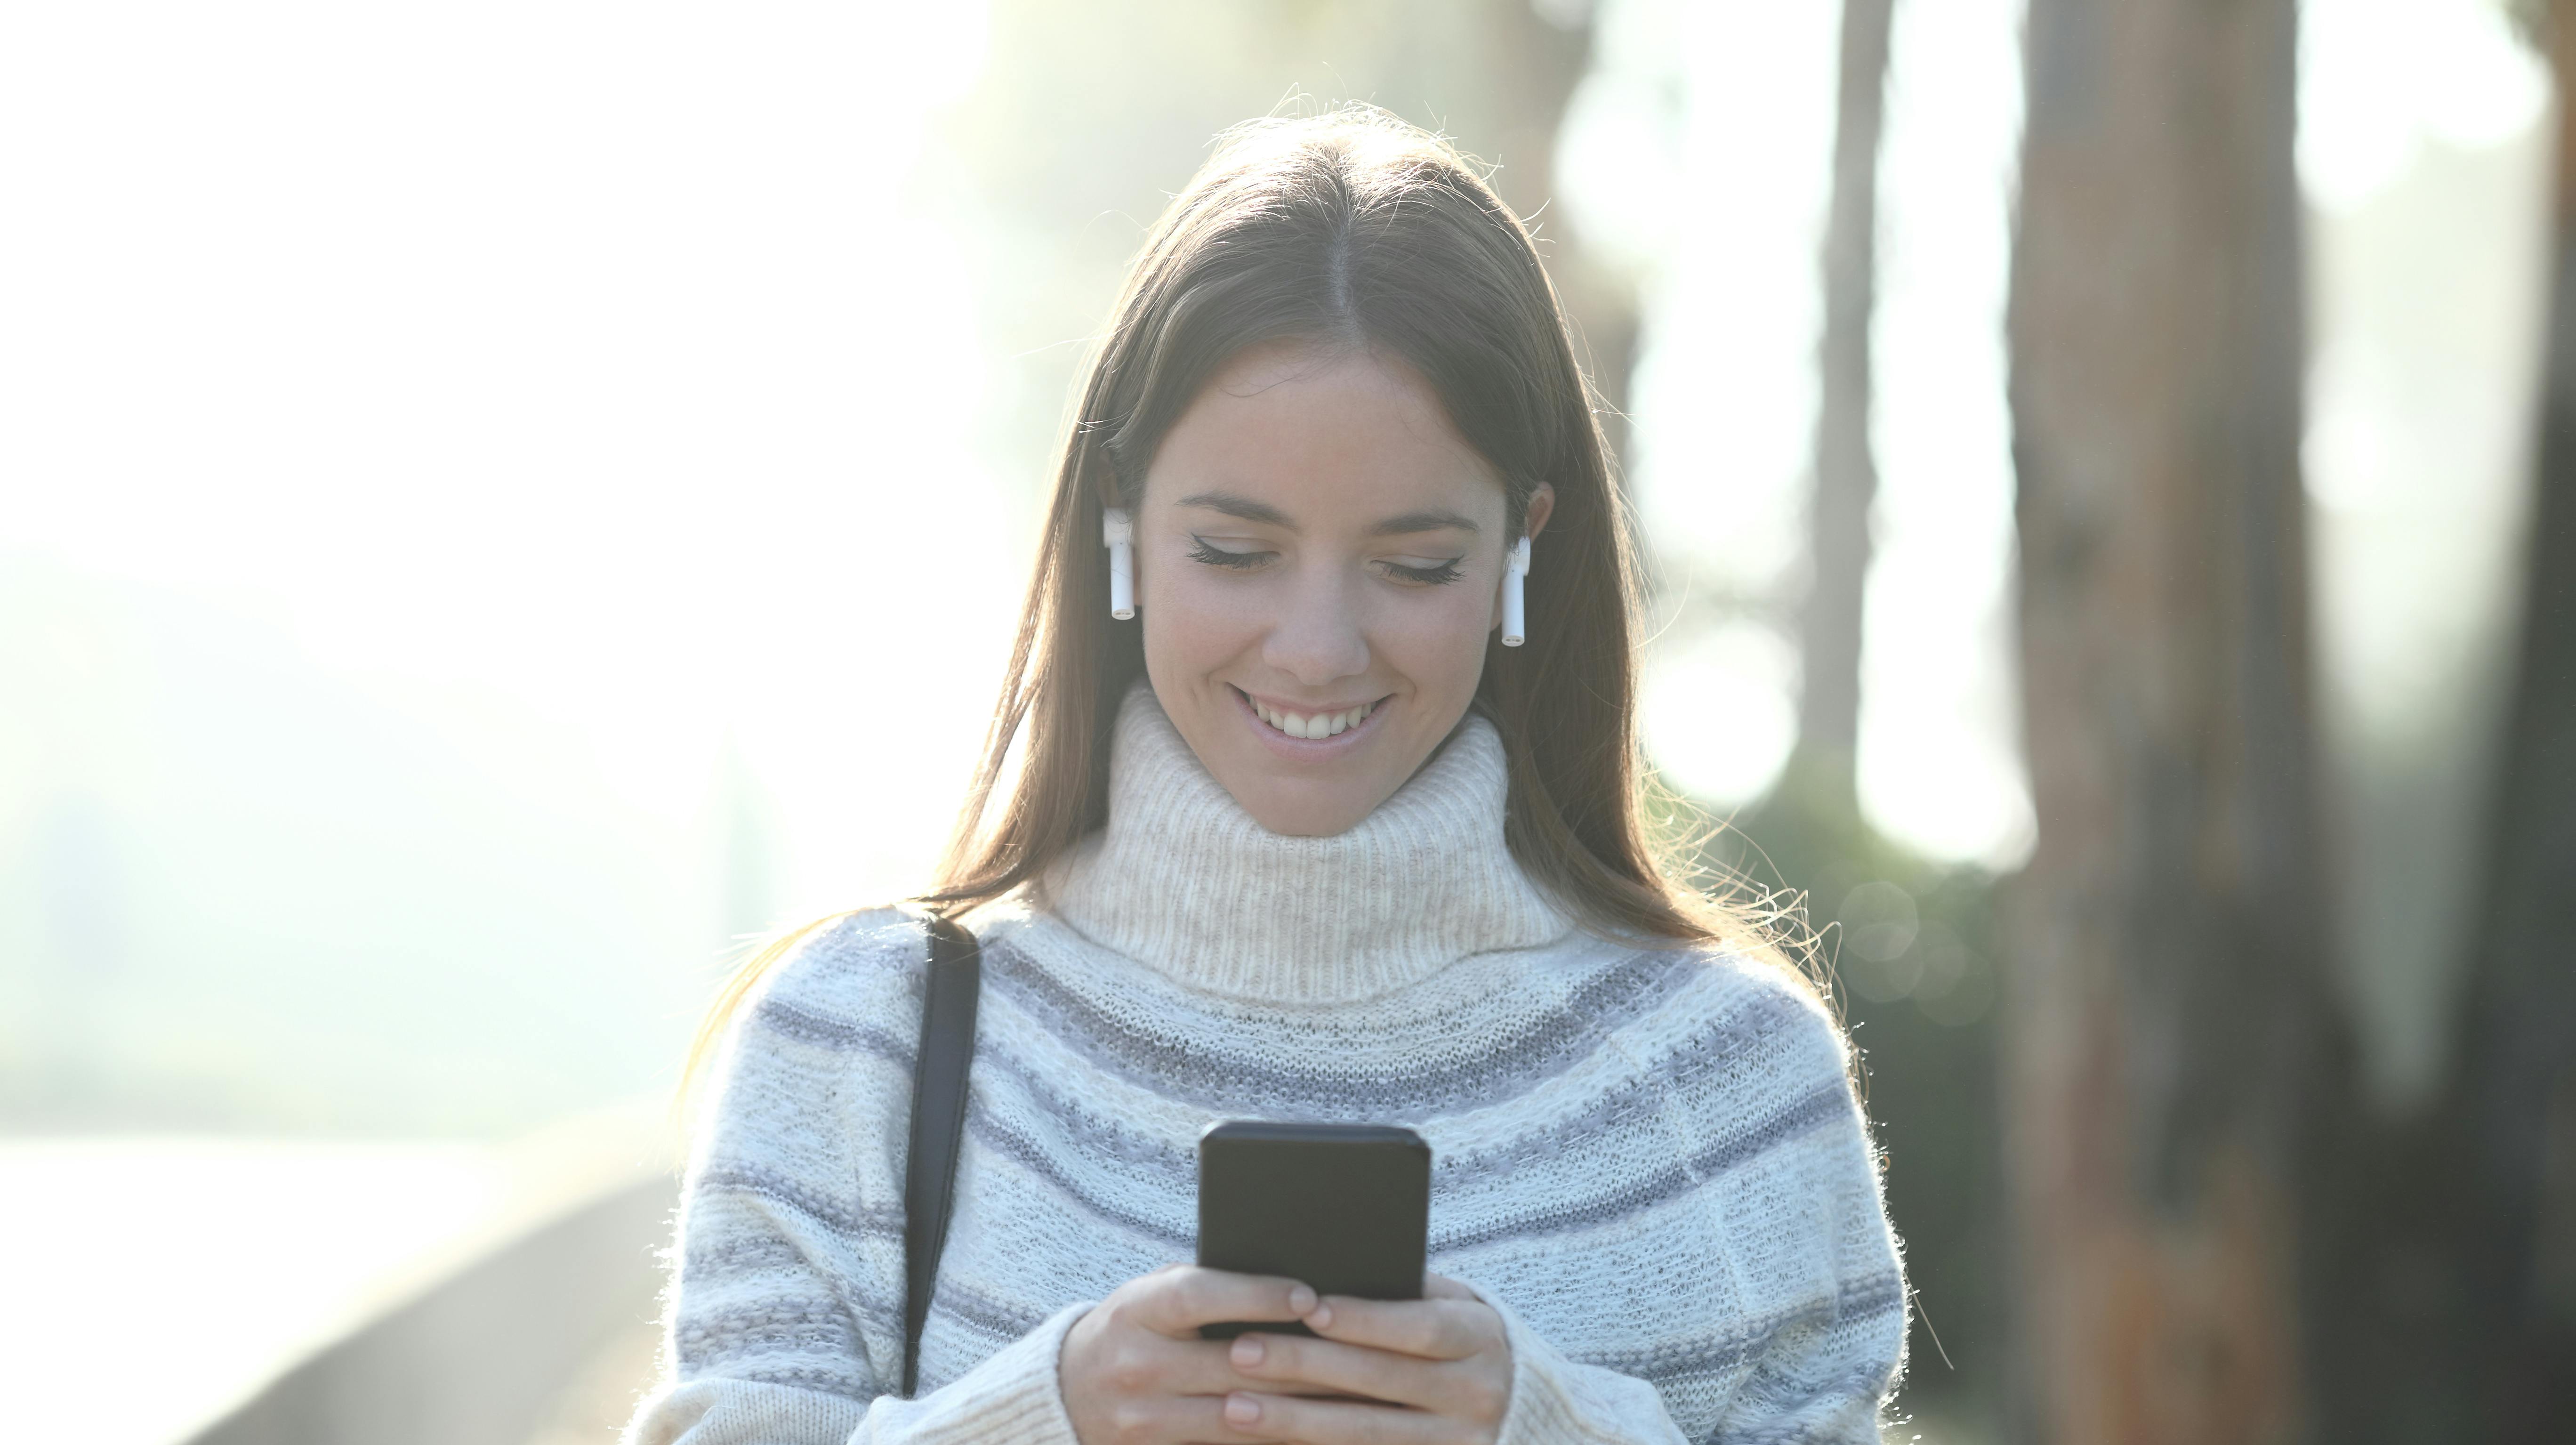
[[1347, 229]]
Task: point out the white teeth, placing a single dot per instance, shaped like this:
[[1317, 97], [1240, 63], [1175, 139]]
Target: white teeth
[[1320, 725]]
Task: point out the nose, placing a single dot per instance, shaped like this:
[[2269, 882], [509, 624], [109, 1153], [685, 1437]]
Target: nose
[[1319, 638]]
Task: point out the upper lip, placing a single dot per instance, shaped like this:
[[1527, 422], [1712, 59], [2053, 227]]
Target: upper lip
[[1304, 709]]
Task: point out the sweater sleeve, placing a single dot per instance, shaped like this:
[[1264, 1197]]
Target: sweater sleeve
[[1010, 1399], [1799, 1213], [785, 1307], [1793, 1328], [1557, 1401]]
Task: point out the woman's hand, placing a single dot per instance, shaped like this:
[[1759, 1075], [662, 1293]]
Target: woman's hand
[[1444, 1355], [1135, 1372]]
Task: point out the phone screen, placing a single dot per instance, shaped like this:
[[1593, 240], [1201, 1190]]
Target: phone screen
[[1342, 1207]]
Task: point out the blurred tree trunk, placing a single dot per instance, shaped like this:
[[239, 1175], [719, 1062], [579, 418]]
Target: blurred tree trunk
[[2503, 1144], [1539, 53], [2173, 1042], [1846, 480]]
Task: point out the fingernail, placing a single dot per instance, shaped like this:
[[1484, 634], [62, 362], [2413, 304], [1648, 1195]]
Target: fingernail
[[1247, 1349], [1321, 1317], [1241, 1409], [1301, 1299]]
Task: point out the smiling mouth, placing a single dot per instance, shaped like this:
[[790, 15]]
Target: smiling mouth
[[1309, 726]]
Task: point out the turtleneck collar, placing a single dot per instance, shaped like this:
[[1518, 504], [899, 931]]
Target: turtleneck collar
[[1183, 880]]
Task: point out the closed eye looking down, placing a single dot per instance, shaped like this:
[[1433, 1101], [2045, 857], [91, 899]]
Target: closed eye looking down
[[1428, 573]]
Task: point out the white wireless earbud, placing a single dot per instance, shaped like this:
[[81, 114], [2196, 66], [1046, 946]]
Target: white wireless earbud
[[1119, 535], [1515, 567]]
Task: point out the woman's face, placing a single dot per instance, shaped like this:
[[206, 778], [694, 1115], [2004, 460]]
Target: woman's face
[[1319, 559]]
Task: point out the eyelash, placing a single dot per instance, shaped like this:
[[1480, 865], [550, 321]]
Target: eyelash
[[1433, 576], [1200, 551]]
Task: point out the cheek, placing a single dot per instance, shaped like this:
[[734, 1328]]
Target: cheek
[[1189, 620], [1438, 640]]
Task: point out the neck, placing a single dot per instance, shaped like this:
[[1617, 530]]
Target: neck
[[1185, 881]]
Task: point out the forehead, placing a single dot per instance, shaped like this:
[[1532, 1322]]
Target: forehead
[[1326, 437]]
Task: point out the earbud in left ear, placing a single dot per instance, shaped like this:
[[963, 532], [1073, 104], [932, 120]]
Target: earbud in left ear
[[1515, 567], [1118, 534]]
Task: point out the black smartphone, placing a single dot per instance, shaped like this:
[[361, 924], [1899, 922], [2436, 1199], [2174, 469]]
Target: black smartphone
[[1343, 1207]]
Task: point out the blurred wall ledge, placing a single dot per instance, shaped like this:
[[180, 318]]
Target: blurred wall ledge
[[225, 1291]]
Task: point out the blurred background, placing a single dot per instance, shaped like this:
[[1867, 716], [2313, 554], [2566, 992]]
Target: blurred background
[[501, 504]]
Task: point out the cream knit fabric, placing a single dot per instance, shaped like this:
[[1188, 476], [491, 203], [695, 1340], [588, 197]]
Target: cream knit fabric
[[1648, 1159]]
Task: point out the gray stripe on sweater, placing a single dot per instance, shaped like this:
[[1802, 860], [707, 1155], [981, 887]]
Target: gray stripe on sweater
[[1778, 1394], [1634, 1102], [1725, 1039], [806, 1377], [1554, 1041], [862, 1222], [1817, 1109], [795, 1021], [1758, 1016], [1728, 1037], [1674, 1363], [1822, 1106], [1819, 1411], [788, 1334], [1002, 1139], [747, 1254], [984, 1314], [776, 1325], [1094, 1137]]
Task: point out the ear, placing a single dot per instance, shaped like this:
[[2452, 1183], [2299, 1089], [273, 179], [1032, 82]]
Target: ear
[[1542, 502]]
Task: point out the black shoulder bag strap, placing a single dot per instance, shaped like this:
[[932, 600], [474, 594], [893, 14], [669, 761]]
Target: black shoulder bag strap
[[948, 998]]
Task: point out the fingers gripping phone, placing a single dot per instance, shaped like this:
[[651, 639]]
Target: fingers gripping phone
[[1345, 1208]]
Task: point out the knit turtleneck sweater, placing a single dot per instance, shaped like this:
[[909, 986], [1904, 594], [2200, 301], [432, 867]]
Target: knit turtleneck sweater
[[1184, 881], [1646, 1157]]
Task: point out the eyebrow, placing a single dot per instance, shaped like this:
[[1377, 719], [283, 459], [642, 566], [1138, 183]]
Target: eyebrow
[[1429, 520], [1244, 507]]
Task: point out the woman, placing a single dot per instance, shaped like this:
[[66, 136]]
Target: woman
[[1303, 838]]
